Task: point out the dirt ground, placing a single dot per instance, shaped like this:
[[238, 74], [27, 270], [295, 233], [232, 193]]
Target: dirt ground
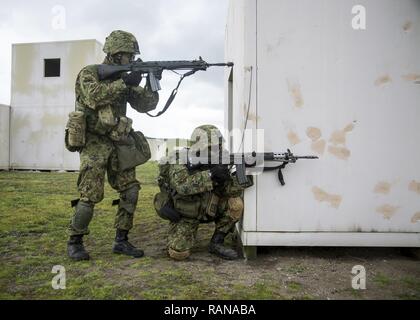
[[35, 211]]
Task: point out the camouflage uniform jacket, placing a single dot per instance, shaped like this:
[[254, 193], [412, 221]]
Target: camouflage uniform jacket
[[192, 189], [93, 95]]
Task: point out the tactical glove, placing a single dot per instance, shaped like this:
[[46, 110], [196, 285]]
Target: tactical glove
[[219, 174], [132, 79]]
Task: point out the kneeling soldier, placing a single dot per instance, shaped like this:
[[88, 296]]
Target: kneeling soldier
[[194, 194]]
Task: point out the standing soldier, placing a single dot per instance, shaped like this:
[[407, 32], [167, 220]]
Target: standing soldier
[[103, 106], [190, 195]]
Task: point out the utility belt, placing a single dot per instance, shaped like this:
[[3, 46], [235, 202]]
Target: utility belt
[[131, 146]]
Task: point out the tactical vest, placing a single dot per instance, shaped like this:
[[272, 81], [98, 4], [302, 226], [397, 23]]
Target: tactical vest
[[201, 206], [103, 120]]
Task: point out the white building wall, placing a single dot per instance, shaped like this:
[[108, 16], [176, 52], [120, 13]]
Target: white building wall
[[350, 97], [157, 148], [4, 136], [40, 105]]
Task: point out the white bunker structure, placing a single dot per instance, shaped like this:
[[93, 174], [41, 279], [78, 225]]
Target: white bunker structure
[[340, 81], [43, 79]]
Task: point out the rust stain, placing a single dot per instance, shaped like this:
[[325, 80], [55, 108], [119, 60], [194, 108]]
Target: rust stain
[[318, 146], [293, 138], [253, 117], [414, 186], [382, 80], [407, 26], [415, 217], [339, 152], [382, 187], [411, 77], [349, 127], [333, 199], [387, 210], [339, 136], [313, 133], [296, 94]]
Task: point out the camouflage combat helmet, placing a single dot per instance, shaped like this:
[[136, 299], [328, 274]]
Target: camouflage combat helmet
[[206, 136], [121, 41]]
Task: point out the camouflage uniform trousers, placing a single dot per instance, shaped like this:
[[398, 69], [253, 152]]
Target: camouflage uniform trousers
[[182, 234], [97, 158]]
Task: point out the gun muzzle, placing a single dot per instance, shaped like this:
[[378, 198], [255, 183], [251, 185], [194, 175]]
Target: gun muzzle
[[228, 64]]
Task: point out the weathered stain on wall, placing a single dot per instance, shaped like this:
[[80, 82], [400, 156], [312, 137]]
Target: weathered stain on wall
[[411, 77], [339, 136], [382, 187], [318, 146], [414, 186], [339, 152], [333, 199], [407, 26], [415, 217], [313, 133], [253, 117], [387, 210], [296, 94], [23, 68], [382, 80], [293, 138], [79, 52], [20, 122]]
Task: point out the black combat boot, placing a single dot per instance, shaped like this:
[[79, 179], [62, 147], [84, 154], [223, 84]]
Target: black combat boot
[[122, 246], [216, 246], [76, 250]]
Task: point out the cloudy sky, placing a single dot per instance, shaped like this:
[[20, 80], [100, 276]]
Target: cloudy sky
[[165, 29]]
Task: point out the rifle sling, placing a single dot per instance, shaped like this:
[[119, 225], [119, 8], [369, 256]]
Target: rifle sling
[[172, 96], [279, 172]]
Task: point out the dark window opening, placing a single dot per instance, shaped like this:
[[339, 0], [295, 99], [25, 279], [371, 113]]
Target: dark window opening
[[51, 67]]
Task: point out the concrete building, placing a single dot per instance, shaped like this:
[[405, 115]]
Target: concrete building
[[4, 136], [309, 75], [42, 95]]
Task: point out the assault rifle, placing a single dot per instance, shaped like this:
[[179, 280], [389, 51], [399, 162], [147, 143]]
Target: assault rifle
[[154, 69], [245, 160]]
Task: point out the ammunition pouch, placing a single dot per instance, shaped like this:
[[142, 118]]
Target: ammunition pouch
[[75, 134], [164, 207], [188, 207], [121, 130], [132, 151], [106, 120], [203, 206], [212, 204]]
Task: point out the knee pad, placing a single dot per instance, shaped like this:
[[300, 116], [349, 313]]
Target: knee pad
[[177, 255], [235, 208], [83, 215], [129, 199]]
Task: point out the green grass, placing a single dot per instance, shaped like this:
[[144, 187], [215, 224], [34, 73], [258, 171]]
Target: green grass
[[35, 212], [382, 280]]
